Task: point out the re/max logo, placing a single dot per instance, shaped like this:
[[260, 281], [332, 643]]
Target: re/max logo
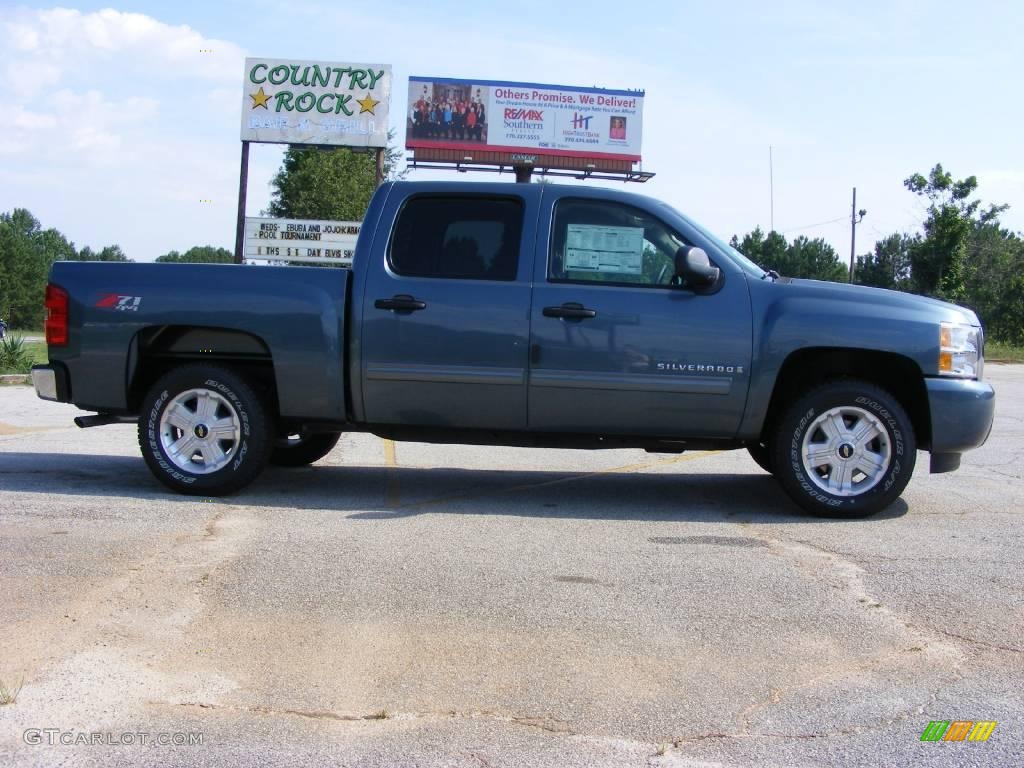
[[958, 730], [512, 113]]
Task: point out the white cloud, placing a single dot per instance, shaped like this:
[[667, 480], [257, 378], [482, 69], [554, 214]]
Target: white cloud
[[104, 131], [21, 37], [39, 49], [75, 122], [31, 121]]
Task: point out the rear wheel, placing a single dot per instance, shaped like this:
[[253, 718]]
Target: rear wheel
[[845, 449], [761, 454], [203, 431], [301, 448]]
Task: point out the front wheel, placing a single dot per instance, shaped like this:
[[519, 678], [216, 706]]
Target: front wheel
[[204, 431], [845, 449]]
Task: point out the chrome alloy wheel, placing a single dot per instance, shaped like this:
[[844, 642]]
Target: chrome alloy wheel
[[199, 431], [846, 451]]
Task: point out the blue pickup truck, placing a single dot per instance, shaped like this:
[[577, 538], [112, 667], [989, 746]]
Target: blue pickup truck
[[527, 315]]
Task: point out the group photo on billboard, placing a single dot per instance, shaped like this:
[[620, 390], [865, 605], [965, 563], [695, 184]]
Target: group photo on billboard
[[448, 113]]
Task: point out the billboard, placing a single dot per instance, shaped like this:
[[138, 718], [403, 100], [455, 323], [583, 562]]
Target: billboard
[[523, 120], [316, 102], [313, 241]]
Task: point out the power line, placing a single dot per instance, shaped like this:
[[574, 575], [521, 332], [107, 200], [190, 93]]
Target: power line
[[819, 224]]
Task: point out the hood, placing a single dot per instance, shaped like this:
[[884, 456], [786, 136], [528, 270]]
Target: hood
[[882, 298]]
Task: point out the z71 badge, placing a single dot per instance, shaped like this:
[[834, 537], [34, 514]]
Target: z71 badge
[[121, 303]]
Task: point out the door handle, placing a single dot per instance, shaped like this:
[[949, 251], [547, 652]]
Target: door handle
[[400, 303], [570, 311]]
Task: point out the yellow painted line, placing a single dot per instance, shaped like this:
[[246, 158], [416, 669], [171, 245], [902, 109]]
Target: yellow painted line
[[572, 479], [10, 429]]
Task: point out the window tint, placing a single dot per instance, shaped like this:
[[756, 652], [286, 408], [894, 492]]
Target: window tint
[[605, 242], [458, 237]]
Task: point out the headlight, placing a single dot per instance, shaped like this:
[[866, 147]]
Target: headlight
[[960, 350]]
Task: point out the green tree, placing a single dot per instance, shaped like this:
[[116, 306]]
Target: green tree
[[767, 251], [20, 268], [328, 183], [26, 253], [889, 265], [55, 246], [939, 259], [994, 280], [812, 259], [199, 254], [110, 253]]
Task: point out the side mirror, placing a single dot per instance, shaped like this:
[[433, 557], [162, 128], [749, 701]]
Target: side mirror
[[694, 266]]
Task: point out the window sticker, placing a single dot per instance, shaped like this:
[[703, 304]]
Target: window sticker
[[608, 250]]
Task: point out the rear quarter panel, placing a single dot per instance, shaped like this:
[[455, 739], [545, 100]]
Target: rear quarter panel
[[299, 314]]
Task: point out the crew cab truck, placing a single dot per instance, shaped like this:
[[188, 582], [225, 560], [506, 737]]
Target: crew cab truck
[[527, 315]]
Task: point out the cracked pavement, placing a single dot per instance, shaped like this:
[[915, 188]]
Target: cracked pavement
[[418, 605]]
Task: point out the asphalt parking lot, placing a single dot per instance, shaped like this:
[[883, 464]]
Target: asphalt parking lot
[[417, 605]]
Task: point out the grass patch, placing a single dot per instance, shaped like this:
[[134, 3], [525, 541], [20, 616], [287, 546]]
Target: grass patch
[[1003, 353], [37, 351], [9, 695]]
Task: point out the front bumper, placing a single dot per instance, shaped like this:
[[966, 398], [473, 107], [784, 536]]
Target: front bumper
[[51, 382], [961, 413]]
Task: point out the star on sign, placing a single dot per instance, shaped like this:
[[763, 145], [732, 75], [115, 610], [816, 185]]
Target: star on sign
[[259, 99], [367, 104]]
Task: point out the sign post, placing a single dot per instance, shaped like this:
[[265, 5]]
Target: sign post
[[243, 189]]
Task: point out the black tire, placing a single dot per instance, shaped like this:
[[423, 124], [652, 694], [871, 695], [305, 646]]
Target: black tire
[[857, 405], [761, 454], [233, 400], [303, 449]]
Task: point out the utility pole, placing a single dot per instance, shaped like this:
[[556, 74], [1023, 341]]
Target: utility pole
[[771, 187], [856, 217]]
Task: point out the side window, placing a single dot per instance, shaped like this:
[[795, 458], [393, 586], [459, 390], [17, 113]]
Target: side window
[[469, 238], [601, 242]]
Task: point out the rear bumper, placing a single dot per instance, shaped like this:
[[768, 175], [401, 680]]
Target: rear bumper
[[961, 414], [51, 382]]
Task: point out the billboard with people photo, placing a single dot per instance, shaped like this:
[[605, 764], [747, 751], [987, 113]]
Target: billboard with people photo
[[500, 116]]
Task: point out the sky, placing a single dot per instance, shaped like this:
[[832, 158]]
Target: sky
[[120, 125]]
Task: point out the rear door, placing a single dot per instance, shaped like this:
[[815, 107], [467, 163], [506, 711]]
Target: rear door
[[445, 326], [615, 347]]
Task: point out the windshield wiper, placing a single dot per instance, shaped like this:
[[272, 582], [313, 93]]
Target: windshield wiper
[[772, 274]]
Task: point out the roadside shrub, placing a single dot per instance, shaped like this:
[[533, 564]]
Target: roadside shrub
[[14, 356]]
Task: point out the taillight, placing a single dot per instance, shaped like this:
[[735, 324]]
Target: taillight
[[56, 316]]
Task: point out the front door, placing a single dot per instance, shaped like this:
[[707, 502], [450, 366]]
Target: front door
[[616, 347], [446, 315]]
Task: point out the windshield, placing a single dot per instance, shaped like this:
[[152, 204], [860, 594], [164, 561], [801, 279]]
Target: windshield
[[742, 261]]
